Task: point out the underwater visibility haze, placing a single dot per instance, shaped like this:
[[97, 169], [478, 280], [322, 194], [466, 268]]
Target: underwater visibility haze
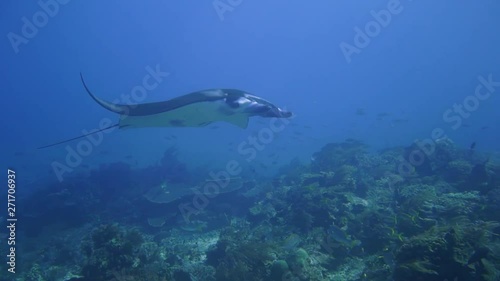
[[235, 140]]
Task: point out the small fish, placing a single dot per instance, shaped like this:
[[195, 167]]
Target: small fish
[[400, 120], [337, 234], [472, 145], [292, 241], [388, 258], [360, 112], [478, 254]]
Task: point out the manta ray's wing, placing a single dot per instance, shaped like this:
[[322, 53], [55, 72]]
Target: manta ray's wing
[[197, 114], [196, 109], [156, 107]]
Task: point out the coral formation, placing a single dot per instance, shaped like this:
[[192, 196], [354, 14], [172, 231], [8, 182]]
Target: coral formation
[[350, 214]]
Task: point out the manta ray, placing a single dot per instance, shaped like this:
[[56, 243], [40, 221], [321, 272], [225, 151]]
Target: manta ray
[[196, 109]]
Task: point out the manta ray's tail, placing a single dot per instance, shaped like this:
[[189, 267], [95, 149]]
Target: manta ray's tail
[[79, 137]]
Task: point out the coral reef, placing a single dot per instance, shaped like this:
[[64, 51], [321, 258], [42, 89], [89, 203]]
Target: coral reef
[[350, 214]]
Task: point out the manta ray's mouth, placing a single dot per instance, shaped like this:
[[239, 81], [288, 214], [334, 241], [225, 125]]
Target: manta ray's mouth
[[277, 112]]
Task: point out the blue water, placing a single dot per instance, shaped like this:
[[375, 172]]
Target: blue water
[[426, 59], [394, 89]]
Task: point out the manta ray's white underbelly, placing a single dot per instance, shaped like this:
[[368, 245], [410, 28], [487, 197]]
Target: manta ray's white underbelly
[[194, 115]]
